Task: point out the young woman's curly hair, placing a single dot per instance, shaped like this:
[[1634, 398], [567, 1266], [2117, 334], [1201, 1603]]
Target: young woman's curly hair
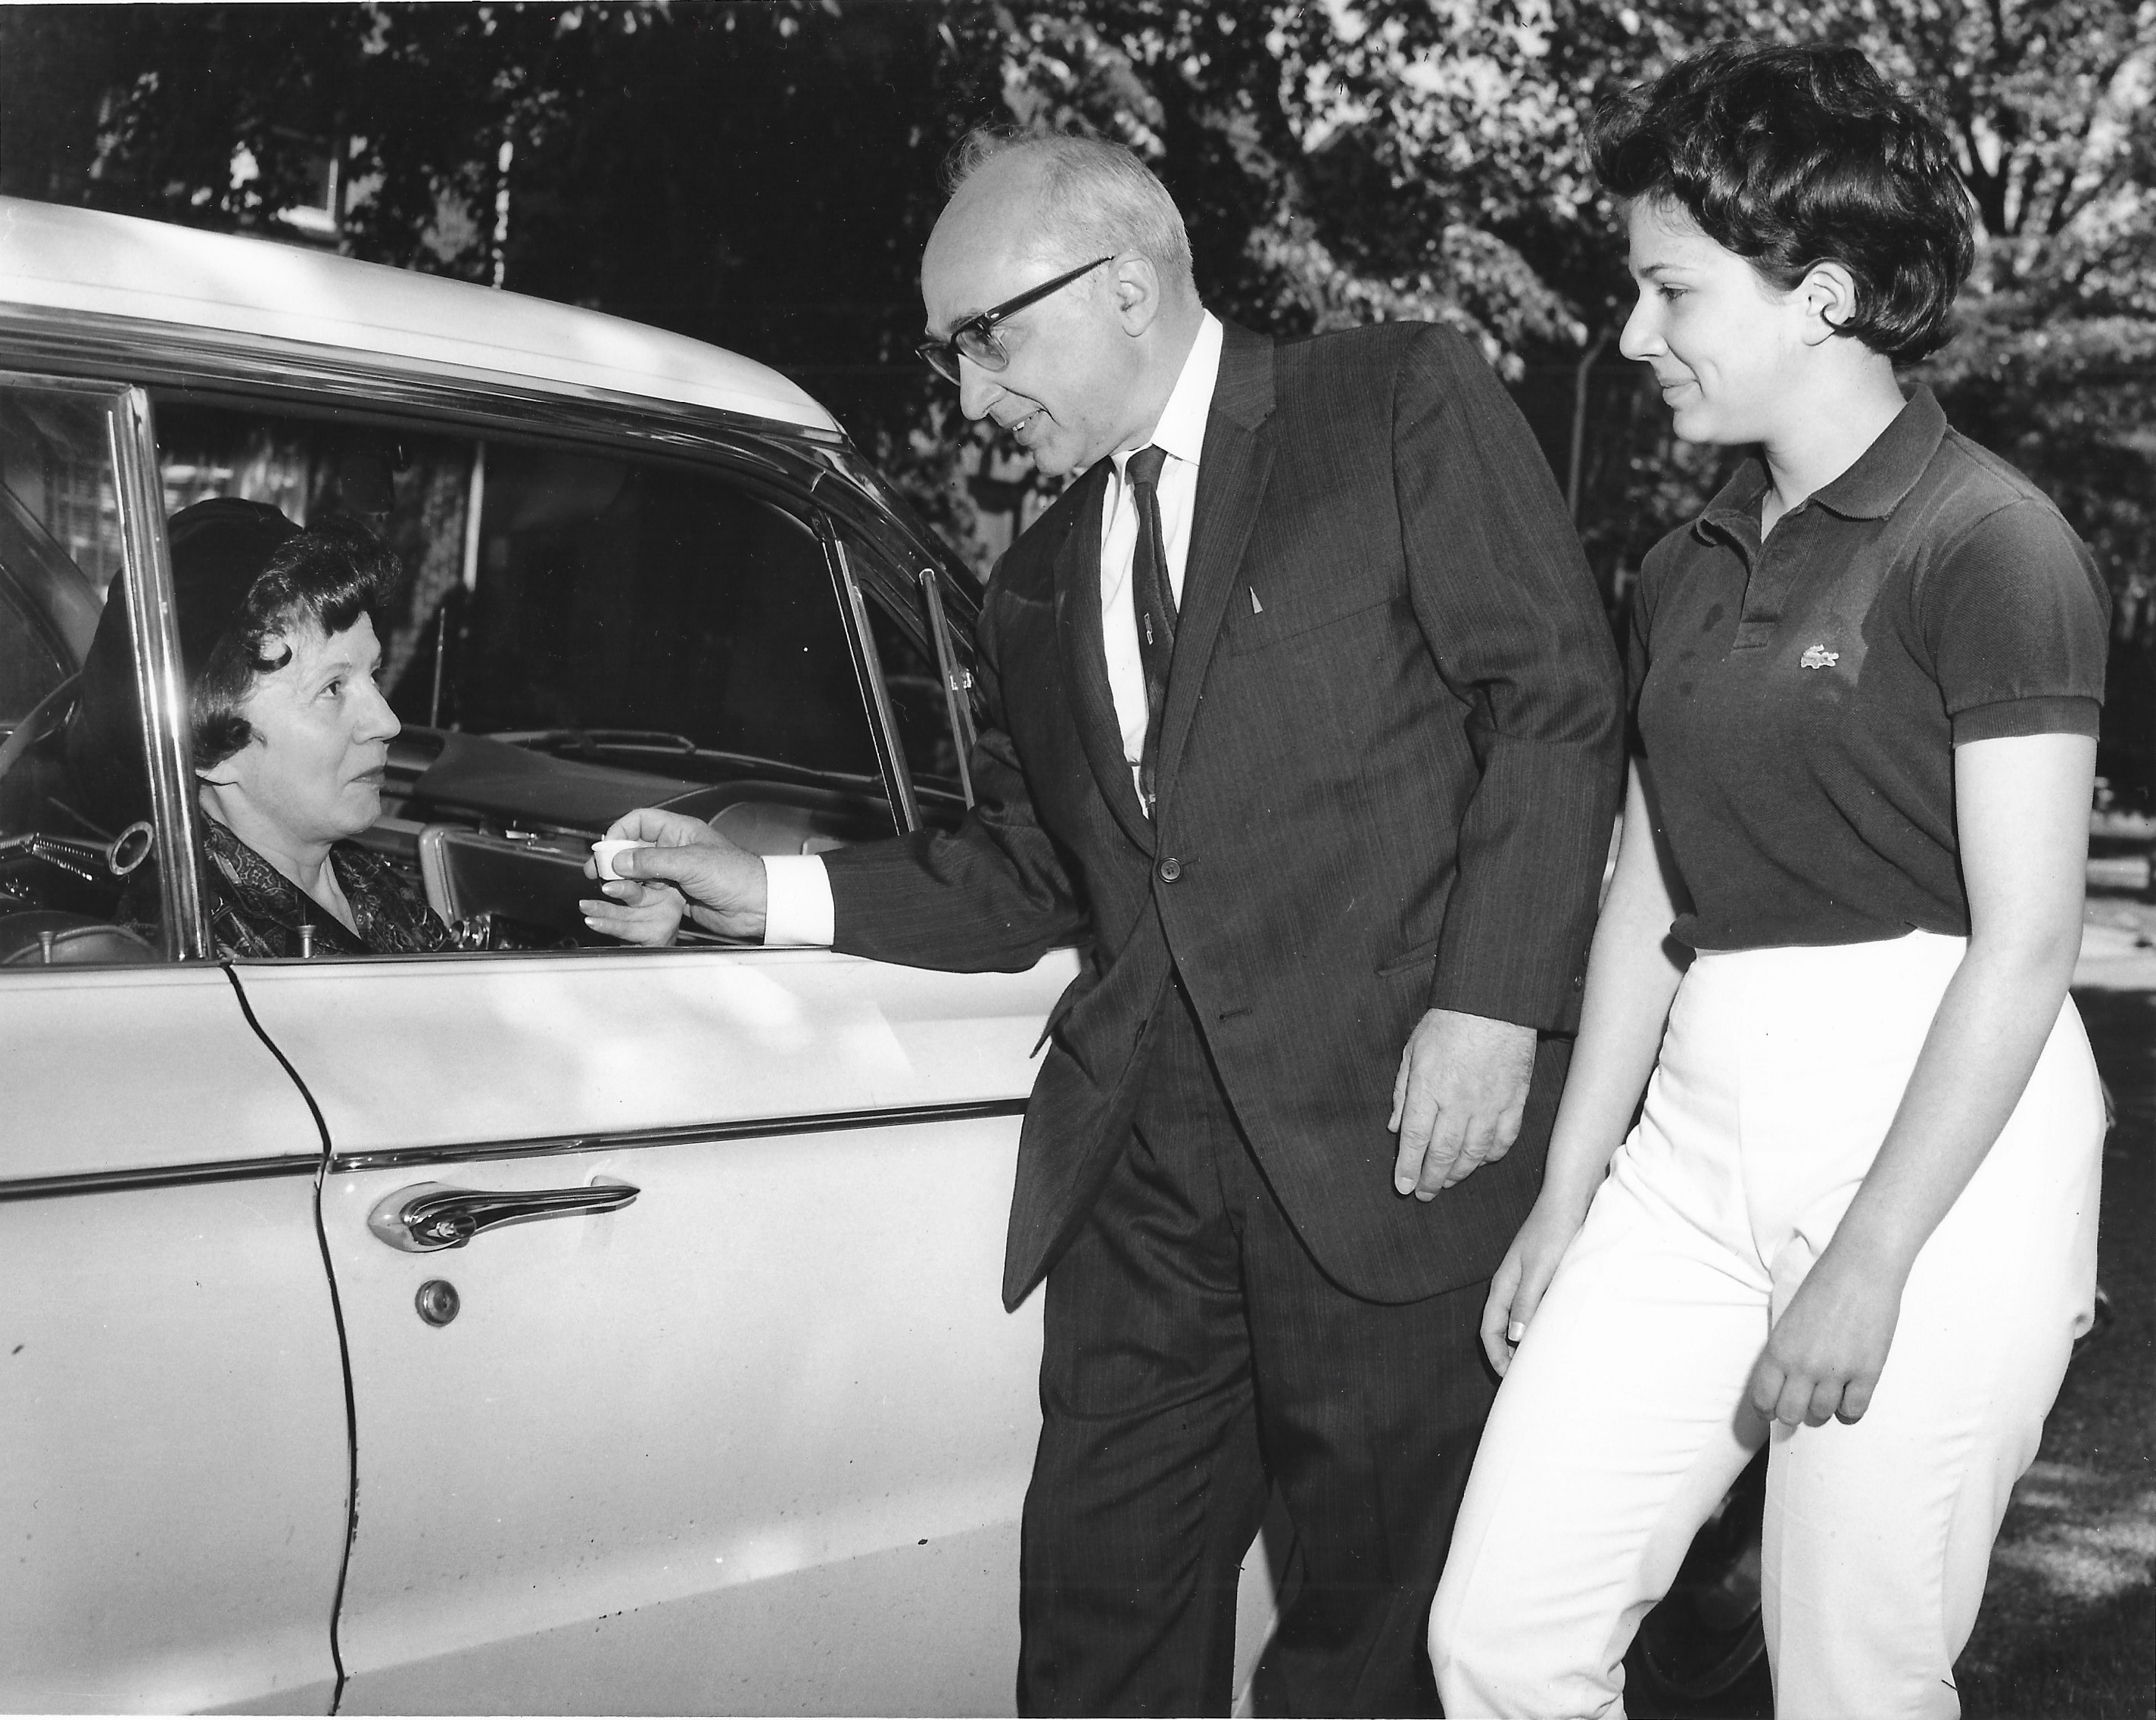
[[1792, 157]]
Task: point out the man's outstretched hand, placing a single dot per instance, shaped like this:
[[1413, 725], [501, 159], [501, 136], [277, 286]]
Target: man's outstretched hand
[[1459, 1097], [722, 883]]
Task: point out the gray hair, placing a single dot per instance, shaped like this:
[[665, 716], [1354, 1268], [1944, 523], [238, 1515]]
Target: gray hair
[[1097, 196]]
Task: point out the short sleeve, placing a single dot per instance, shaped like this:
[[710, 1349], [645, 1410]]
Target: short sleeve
[[2016, 620]]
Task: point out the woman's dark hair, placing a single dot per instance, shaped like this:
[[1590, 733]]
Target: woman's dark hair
[[326, 577], [1790, 157]]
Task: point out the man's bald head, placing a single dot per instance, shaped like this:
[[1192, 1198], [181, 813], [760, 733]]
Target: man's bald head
[[1083, 197], [1088, 247]]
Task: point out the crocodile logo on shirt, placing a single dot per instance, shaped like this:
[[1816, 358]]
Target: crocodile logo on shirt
[[1817, 657]]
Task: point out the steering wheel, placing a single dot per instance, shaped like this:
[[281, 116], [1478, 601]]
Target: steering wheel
[[45, 937], [45, 716]]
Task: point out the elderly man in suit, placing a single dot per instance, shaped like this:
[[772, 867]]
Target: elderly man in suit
[[1303, 716]]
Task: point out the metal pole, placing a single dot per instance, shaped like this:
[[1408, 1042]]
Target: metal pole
[[1579, 420]]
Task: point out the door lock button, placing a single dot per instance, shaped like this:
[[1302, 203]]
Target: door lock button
[[438, 1301]]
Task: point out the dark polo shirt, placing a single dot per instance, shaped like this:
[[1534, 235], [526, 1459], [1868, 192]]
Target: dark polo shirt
[[1798, 701]]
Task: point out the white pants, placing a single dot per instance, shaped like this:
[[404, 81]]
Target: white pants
[[1622, 1420]]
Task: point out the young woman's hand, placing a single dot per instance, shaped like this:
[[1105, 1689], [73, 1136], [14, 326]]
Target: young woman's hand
[[1524, 1274], [646, 913], [1824, 1355]]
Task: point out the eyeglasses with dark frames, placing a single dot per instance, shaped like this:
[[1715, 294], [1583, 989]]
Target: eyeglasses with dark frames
[[976, 337]]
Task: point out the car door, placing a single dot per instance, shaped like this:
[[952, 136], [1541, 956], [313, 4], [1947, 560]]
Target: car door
[[742, 1426], [725, 1415], [174, 1485]]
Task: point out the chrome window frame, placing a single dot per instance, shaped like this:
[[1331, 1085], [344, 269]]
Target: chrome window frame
[[928, 582], [957, 683], [161, 681], [868, 669]]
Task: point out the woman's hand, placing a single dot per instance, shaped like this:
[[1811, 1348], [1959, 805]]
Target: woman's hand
[[1823, 1356], [648, 913], [1523, 1275]]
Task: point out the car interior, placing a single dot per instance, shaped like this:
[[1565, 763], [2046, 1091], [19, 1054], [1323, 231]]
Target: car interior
[[64, 872]]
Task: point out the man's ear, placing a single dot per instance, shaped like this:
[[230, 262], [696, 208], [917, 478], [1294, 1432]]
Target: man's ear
[[1828, 293], [1136, 285]]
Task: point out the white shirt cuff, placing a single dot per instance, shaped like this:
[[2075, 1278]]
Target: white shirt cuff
[[798, 900]]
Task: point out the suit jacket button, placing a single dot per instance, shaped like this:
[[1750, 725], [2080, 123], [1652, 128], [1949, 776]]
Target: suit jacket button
[[1171, 869]]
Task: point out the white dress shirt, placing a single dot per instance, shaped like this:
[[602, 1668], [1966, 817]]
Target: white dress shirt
[[1180, 434], [798, 909]]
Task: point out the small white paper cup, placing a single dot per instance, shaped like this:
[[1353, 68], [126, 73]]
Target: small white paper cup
[[604, 853]]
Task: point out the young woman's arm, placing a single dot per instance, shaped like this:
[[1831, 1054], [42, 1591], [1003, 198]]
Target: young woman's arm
[[2022, 816], [1631, 976]]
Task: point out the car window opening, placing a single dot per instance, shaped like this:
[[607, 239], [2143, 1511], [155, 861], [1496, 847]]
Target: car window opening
[[581, 631]]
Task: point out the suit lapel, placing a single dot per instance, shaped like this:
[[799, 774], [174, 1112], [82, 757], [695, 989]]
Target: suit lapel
[[1086, 658], [1231, 482]]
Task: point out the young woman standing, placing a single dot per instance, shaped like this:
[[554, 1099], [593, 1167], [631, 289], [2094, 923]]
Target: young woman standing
[[1857, 1213]]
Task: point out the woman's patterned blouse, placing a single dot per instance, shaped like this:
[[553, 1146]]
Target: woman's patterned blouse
[[255, 911]]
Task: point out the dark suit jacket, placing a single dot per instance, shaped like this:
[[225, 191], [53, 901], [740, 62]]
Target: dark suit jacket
[[1388, 767]]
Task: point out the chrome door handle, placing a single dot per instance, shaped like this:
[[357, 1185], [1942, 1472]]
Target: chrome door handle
[[429, 1216]]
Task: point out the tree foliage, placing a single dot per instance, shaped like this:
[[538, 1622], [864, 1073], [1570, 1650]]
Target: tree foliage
[[764, 176]]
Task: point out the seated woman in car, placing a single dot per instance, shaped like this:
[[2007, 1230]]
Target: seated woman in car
[[291, 735]]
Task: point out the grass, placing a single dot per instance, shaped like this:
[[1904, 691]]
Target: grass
[[2068, 1627]]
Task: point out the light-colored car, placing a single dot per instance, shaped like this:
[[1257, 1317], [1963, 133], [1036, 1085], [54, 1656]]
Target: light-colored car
[[542, 1326]]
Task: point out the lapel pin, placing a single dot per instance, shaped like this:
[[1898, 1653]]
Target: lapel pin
[[1818, 657], [1257, 608]]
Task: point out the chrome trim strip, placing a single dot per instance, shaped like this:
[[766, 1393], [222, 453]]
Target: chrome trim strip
[[161, 683], [546, 1146], [161, 1176]]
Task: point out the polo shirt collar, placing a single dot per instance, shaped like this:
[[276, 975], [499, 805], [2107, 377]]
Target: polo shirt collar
[[1734, 512], [1888, 469], [1870, 490]]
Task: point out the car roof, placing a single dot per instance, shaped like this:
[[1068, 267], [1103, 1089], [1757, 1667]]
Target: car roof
[[59, 258]]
